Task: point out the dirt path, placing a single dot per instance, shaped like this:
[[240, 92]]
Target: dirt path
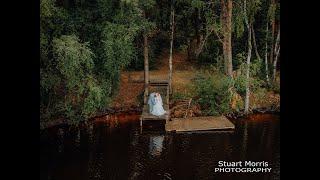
[[129, 90]]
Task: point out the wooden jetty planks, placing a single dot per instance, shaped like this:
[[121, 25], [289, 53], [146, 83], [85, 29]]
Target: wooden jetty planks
[[199, 123], [147, 116], [157, 85]]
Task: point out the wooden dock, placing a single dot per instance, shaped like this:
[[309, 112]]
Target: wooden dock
[[199, 124], [147, 116], [207, 123], [161, 86]]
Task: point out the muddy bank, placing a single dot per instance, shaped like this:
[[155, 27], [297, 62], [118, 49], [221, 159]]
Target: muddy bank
[[136, 110], [108, 111]]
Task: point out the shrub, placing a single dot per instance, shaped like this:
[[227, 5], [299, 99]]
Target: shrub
[[74, 91], [183, 92], [275, 87], [241, 79], [178, 96], [214, 93]]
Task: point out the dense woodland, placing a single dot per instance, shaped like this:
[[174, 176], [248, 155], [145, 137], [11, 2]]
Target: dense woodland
[[86, 44]]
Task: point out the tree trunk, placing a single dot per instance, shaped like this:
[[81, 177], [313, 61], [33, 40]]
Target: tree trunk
[[202, 43], [275, 65], [227, 24], [273, 24], [196, 25], [146, 67], [171, 47], [276, 50], [189, 49], [272, 44], [255, 44], [199, 36], [246, 108], [266, 57]]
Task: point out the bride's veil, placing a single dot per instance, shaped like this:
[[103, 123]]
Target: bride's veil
[[160, 99]]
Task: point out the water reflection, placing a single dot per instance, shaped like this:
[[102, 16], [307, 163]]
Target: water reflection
[[244, 140], [155, 145], [113, 148]]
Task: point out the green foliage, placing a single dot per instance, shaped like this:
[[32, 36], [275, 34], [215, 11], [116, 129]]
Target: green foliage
[[275, 87], [272, 12], [255, 75], [253, 6], [261, 93], [47, 8], [211, 55], [178, 96], [214, 92], [105, 8], [84, 46], [137, 62], [197, 4], [82, 93], [77, 78], [117, 43], [118, 51], [238, 19], [188, 92], [74, 58]]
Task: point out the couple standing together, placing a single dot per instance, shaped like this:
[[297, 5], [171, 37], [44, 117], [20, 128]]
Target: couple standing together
[[155, 104]]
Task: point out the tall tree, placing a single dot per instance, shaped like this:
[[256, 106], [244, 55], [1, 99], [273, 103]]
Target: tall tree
[[248, 25], [171, 46], [250, 7], [273, 24], [206, 28], [226, 16], [146, 66], [255, 44], [276, 55], [147, 27], [222, 30], [266, 55], [275, 28]]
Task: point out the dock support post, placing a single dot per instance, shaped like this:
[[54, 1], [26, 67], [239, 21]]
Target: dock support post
[[140, 125], [168, 95]]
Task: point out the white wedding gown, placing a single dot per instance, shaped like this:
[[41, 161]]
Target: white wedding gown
[[157, 108]]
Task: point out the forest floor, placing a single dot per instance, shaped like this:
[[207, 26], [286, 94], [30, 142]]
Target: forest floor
[[132, 86], [130, 90]]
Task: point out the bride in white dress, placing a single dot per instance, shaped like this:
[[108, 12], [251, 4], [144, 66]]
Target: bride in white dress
[[157, 105]]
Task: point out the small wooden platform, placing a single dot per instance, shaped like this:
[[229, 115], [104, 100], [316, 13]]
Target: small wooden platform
[[199, 124], [161, 86], [147, 116]]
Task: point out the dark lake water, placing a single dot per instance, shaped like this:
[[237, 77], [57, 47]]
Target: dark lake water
[[113, 148]]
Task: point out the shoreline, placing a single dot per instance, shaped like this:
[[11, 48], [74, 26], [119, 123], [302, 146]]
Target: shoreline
[[136, 109]]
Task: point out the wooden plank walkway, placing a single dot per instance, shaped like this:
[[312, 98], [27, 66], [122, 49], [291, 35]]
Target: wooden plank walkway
[[199, 124], [180, 124], [147, 116]]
